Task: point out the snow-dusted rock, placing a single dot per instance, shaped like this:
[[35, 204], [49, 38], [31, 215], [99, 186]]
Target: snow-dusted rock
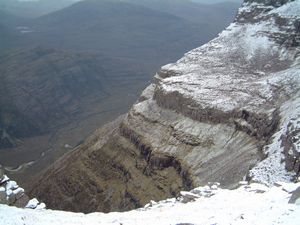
[[12, 194], [11, 185], [32, 204], [41, 206], [232, 98], [188, 196]]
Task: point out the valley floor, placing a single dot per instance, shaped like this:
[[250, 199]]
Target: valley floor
[[249, 204]]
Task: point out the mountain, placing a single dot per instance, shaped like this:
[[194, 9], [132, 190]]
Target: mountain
[[9, 35], [227, 111], [42, 87], [121, 29], [9, 19], [45, 90], [123, 42], [33, 9], [6, 36], [217, 16]]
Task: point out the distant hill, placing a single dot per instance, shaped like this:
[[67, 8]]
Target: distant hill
[[10, 20], [41, 88], [33, 9], [9, 37], [217, 16], [44, 91], [5, 37], [117, 28], [150, 30]]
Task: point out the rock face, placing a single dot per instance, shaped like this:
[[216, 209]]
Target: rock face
[[210, 117], [108, 172]]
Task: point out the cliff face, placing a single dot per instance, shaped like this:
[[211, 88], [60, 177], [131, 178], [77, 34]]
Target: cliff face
[[223, 109]]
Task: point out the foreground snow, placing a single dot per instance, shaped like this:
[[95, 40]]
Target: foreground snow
[[249, 204]]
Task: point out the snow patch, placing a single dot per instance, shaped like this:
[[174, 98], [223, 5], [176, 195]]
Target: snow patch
[[290, 9]]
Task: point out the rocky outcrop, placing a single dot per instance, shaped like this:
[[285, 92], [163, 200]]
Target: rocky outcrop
[[13, 195], [203, 148], [220, 111]]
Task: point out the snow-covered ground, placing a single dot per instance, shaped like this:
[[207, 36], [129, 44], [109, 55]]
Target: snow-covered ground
[[249, 204]]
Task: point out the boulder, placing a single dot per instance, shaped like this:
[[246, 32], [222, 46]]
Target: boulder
[[32, 204]]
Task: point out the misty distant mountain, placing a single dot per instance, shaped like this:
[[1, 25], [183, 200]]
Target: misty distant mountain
[[8, 34], [216, 16], [47, 91], [10, 20], [122, 29], [146, 29], [5, 37], [33, 9], [40, 88]]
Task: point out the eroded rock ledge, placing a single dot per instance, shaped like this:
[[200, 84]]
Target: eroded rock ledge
[[260, 125]]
